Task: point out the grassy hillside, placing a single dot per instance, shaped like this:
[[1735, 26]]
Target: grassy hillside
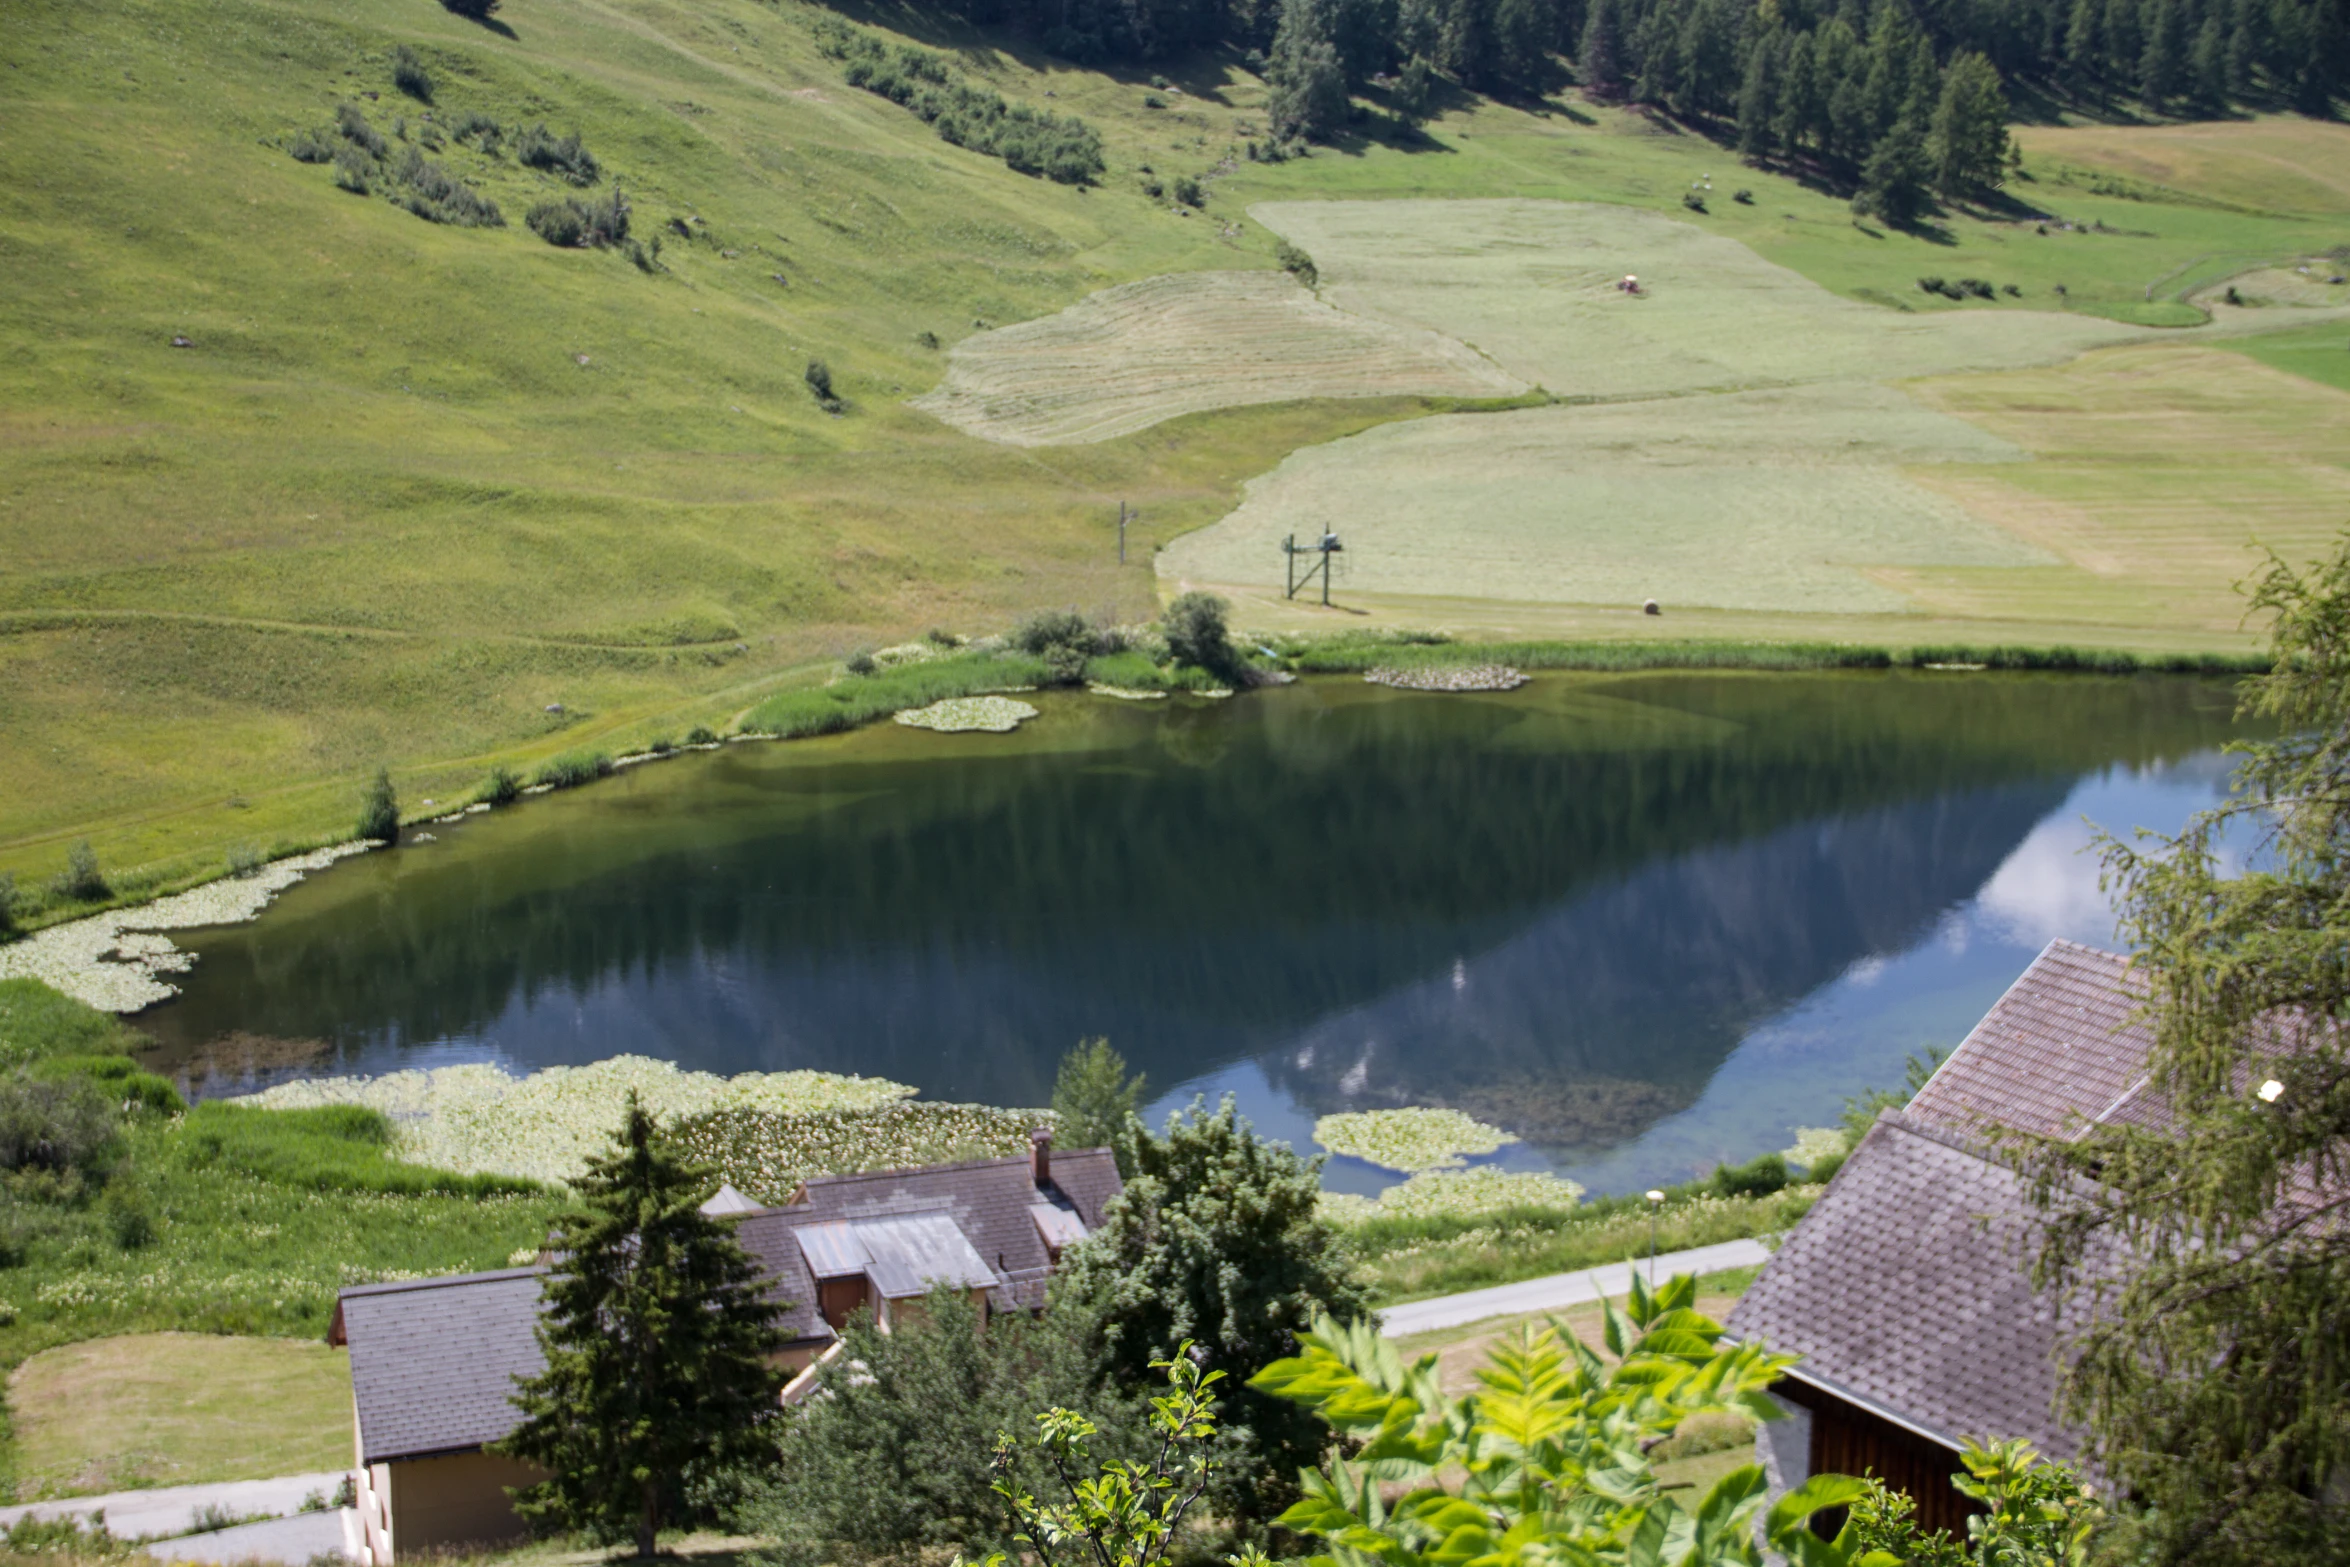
[[408, 485]]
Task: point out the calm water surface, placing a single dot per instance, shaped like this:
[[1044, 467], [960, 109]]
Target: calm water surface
[[1645, 922]]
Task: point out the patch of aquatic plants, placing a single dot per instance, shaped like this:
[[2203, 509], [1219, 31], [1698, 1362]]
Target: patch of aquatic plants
[[765, 1154], [332, 1148], [477, 1119], [998, 715], [1414, 1139], [855, 700]]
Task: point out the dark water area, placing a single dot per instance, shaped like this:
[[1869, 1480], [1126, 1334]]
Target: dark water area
[[1644, 922]]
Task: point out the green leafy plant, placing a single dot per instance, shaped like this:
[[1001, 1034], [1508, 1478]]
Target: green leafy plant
[[818, 375], [701, 734], [1197, 632], [1124, 1512], [1552, 1451], [502, 787], [2037, 1514], [1297, 263], [81, 880], [572, 769], [563, 156]]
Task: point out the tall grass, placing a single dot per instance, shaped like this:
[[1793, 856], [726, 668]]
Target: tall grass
[[335, 1148], [854, 700]]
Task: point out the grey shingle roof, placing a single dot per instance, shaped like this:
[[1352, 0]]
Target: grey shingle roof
[[433, 1361], [988, 1199], [1908, 1290], [2060, 1050]]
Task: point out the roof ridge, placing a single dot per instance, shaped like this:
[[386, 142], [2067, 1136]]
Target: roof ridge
[[437, 1281]]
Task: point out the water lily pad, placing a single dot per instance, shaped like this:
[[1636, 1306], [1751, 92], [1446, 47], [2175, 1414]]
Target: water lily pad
[[1408, 1140], [968, 714]]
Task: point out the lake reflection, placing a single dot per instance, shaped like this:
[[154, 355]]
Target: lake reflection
[[1645, 922]]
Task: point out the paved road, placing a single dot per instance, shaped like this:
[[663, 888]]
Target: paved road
[[171, 1510], [304, 1537], [1560, 1290]]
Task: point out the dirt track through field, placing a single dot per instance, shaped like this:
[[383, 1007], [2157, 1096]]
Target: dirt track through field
[[1128, 357]]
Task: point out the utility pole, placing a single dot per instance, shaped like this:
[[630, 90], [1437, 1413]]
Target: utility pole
[[1121, 533]]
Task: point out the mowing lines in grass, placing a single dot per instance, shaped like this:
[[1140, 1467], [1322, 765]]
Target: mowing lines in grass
[[1128, 357]]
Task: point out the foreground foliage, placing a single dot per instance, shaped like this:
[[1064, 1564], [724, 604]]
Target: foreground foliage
[[896, 1456], [2218, 1368], [1551, 1452], [1216, 1243], [658, 1337]]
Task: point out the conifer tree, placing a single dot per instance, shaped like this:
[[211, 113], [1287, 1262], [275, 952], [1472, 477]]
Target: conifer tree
[[2215, 1373], [1094, 1102], [1758, 98], [1893, 180], [379, 810], [657, 1330], [1968, 142], [1599, 57]]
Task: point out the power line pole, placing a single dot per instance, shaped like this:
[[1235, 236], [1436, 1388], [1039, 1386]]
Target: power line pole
[[1121, 533]]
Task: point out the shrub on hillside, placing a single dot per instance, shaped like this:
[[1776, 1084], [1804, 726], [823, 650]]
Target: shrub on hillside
[[1297, 263], [1197, 633], [502, 787], [1063, 149], [559, 223], [312, 147], [81, 880], [701, 734], [1189, 192], [8, 903], [379, 810], [351, 121], [471, 10], [1757, 1177], [59, 1126], [563, 156], [409, 74], [819, 378], [431, 192], [479, 129], [354, 170], [245, 860]]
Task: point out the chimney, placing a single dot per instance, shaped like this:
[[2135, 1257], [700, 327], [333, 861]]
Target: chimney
[[1040, 1155]]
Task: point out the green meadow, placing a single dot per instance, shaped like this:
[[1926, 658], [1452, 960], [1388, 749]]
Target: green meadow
[[294, 483]]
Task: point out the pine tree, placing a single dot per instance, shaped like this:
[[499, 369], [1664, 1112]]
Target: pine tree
[[1599, 56], [2159, 64], [2216, 1372], [1309, 83], [657, 1331], [1758, 98], [2207, 66], [379, 809], [1094, 1102], [1893, 180], [1968, 142]]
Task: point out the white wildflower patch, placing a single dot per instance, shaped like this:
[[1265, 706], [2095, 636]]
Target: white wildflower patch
[[908, 653], [1462, 1194], [113, 961], [967, 714], [478, 1120], [1409, 1140], [1814, 1143], [1124, 693]]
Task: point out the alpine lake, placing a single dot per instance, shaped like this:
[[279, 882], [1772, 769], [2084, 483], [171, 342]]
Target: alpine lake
[[1646, 922]]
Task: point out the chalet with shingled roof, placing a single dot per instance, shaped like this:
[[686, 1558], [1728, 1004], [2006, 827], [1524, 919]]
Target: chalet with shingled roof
[[434, 1361], [1907, 1289]]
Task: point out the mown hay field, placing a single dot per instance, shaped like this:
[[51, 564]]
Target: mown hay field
[[1779, 499], [1533, 284], [1131, 356], [2279, 162]]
